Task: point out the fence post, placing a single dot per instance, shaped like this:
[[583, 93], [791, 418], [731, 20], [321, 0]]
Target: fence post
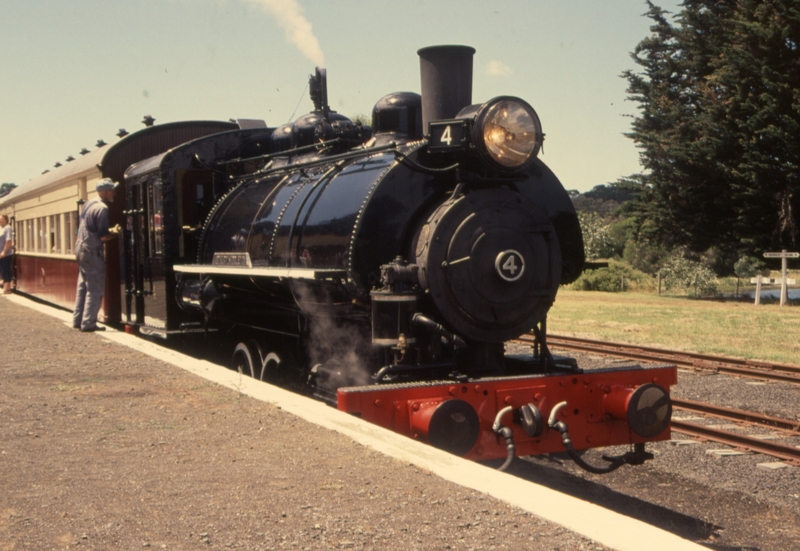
[[784, 288], [758, 289]]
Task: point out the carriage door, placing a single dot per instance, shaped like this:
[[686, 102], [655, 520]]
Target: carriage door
[[195, 200], [145, 287]]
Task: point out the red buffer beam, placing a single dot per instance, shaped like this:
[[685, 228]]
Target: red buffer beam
[[603, 407]]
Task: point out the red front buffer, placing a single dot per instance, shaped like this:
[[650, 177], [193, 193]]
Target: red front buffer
[[452, 425], [603, 408], [647, 409]]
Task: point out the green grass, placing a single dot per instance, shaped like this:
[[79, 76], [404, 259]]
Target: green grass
[[765, 332]]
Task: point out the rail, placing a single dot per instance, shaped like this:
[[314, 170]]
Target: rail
[[732, 366], [736, 440], [737, 415], [739, 441]]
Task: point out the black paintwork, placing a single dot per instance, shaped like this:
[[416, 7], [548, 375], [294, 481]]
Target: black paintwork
[[193, 163], [360, 214]]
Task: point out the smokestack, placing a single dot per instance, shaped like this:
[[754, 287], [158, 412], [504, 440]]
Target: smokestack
[[446, 76]]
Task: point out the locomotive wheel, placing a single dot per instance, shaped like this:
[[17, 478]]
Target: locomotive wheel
[[272, 363], [247, 359]]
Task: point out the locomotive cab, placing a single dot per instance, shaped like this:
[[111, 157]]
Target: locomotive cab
[[168, 198]]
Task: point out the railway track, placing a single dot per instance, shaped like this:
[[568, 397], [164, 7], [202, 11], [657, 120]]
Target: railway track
[[700, 362], [732, 366], [789, 428]]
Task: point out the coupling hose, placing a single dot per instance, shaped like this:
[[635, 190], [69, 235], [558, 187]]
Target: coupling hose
[[508, 434], [614, 462]]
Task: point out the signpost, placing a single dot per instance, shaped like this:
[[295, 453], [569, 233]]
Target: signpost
[[761, 280], [783, 255]]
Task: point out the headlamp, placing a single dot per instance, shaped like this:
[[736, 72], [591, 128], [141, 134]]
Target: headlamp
[[507, 133]]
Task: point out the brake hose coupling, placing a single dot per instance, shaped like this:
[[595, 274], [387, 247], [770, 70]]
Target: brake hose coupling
[[635, 457], [552, 421], [508, 435], [497, 426]]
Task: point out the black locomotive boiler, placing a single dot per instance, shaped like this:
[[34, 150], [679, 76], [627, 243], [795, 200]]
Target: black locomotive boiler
[[384, 268]]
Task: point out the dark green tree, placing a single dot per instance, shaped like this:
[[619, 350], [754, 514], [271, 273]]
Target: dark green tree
[[747, 267], [719, 125], [6, 188]]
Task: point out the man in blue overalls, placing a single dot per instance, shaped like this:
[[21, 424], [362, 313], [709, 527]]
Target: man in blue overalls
[[90, 253]]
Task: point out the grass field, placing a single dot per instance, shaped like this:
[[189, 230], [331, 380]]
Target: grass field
[[740, 329]]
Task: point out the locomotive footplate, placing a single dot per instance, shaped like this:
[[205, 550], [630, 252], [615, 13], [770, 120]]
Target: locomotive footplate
[[604, 407]]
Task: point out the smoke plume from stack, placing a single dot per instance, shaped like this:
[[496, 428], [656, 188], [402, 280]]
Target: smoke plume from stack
[[289, 15]]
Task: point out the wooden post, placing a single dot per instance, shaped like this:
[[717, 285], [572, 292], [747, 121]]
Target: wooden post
[[783, 255], [758, 289], [784, 291]]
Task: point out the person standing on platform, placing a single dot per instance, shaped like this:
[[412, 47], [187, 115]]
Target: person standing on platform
[[90, 253], [6, 252]]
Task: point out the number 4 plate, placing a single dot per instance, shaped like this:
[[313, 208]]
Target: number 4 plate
[[448, 135]]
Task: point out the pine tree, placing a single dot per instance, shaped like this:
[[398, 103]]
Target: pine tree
[[719, 125]]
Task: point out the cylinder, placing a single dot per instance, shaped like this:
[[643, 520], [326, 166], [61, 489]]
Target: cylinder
[[391, 317], [446, 79]]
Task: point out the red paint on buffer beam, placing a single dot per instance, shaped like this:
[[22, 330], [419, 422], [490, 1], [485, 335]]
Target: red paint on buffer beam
[[603, 408]]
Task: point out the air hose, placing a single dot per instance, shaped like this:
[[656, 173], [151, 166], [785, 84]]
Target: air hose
[[508, 434], [635, 457]]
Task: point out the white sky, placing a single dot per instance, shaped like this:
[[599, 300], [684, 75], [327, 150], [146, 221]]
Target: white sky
[[73, 72]]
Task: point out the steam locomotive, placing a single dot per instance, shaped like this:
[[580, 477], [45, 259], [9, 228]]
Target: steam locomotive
[[383, 267]]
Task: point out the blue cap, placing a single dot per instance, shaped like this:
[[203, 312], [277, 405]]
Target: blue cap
[[105, 184]]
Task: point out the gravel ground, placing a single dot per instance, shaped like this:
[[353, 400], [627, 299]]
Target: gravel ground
[[102, 447], [770, 398], [736, 502]]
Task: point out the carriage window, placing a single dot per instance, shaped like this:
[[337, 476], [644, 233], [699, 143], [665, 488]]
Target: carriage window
[[40, 229], [29, 235], [70, 226], [54, 234]]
